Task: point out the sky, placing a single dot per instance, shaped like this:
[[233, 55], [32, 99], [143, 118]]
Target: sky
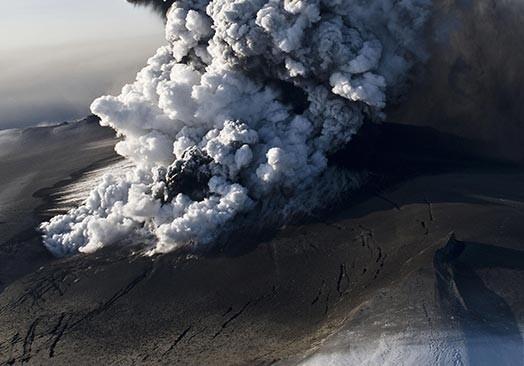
[[56, 56]]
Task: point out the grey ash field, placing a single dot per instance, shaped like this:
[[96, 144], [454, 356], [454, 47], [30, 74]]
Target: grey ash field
[[426, 270]]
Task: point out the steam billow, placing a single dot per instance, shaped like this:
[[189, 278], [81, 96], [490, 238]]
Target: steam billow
[[235, 118]]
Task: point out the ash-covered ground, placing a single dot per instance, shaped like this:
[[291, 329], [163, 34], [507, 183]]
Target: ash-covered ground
[[423, 267]]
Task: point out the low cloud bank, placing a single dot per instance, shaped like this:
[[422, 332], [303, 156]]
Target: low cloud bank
[[62, 81]]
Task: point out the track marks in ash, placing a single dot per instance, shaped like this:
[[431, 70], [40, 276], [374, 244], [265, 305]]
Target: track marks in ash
[[388, 200], [28, 341], [12, 344], [179, 339], [426, 224], [367, 240], [343, 281], [115, 298], [50, 284], [232, 318], [22, 348], [320, 291], [57, 333]]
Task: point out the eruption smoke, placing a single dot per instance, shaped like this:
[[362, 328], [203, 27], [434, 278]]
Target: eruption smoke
[[237, 115], [473, 83], [161, 6]]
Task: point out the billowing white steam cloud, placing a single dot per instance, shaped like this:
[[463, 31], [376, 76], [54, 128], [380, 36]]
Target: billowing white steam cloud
[[239, 113]]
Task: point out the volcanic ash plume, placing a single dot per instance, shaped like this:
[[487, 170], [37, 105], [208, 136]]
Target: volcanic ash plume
[[235, 118]]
